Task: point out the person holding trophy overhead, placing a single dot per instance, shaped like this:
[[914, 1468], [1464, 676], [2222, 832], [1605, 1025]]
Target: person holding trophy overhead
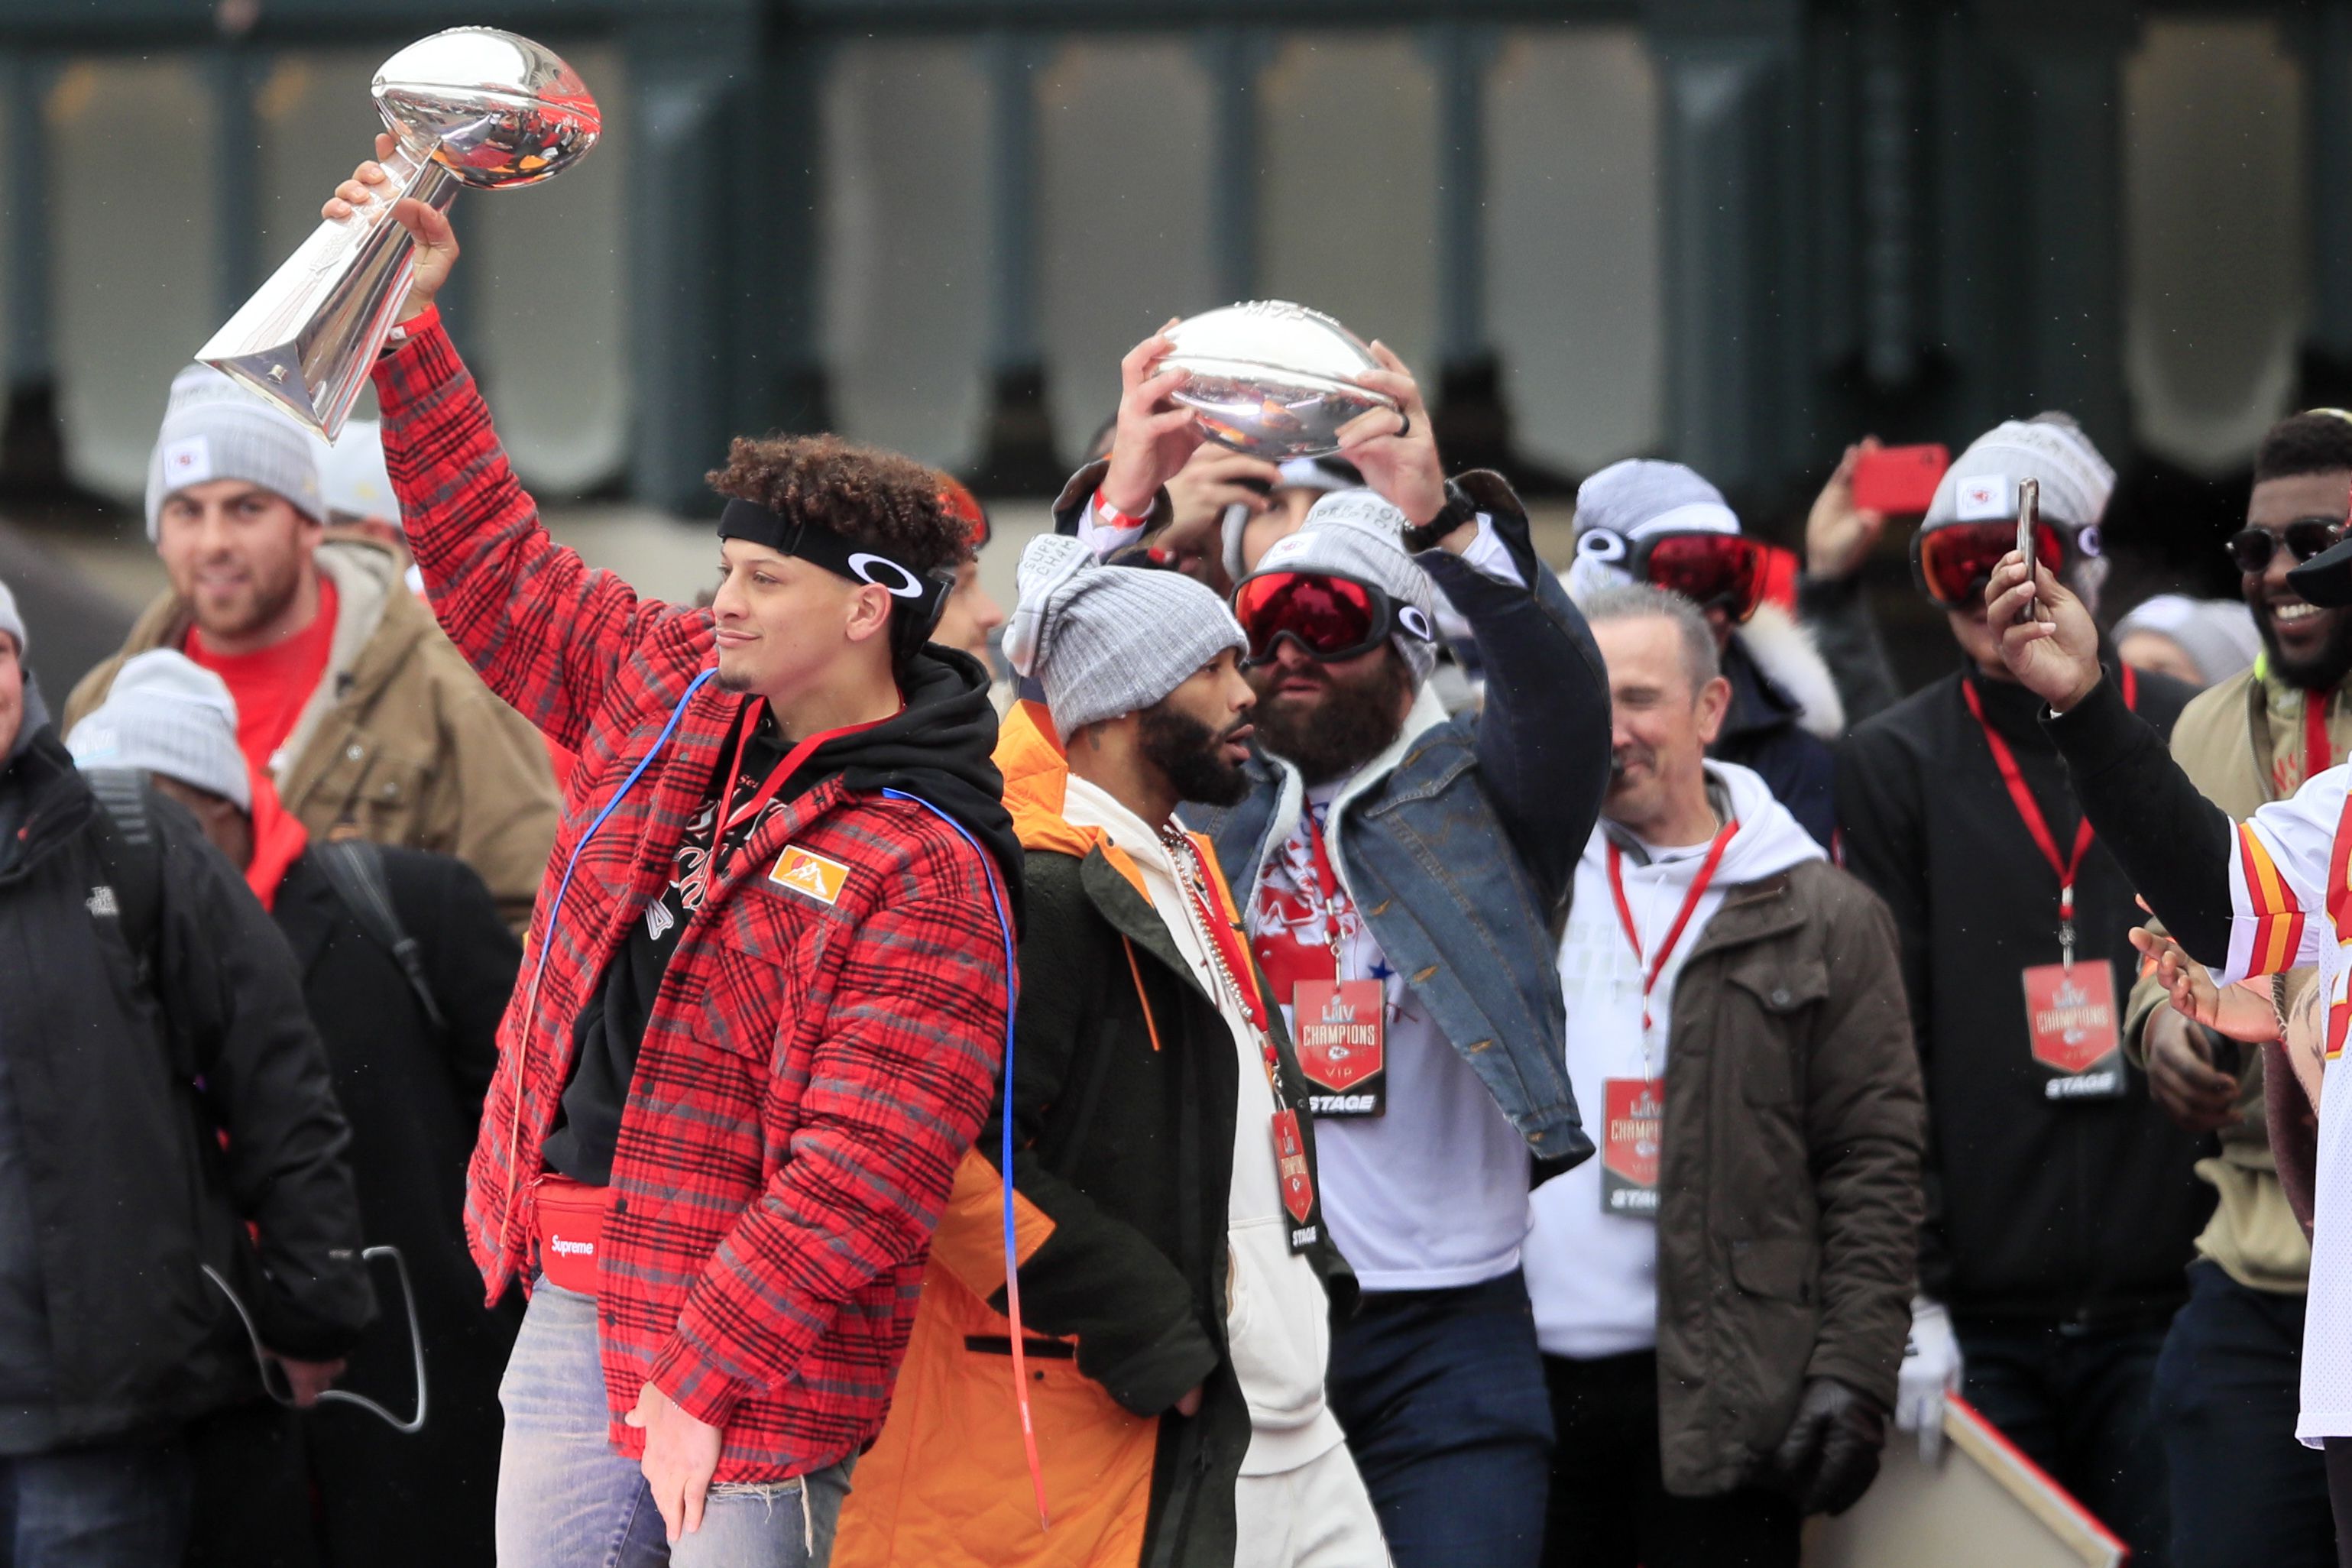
[[1400, 863], [765, 993]]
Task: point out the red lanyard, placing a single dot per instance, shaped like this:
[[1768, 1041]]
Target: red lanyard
[[2029, 810], [1327, 883], [1673, 933], [2318, 753], [733, 816]]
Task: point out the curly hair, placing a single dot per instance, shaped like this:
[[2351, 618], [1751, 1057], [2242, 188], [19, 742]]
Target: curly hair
[[875, 499], [2318, 441]]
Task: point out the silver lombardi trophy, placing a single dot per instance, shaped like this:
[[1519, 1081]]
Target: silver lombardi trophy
[[1271, 378], [472, 106]]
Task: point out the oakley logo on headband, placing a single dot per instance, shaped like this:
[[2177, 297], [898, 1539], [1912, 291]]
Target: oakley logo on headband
[[1410, 617], [887, 574], [922, 593]]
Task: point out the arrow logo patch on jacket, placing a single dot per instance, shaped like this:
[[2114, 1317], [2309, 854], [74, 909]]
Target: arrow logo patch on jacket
[[810, 874]]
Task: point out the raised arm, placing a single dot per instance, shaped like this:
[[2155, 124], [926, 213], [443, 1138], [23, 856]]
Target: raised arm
[[1543, 734], [545, 631], [2174, 844], [1543, 737]]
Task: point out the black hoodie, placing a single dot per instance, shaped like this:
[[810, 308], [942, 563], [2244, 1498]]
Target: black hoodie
[[938, 748]]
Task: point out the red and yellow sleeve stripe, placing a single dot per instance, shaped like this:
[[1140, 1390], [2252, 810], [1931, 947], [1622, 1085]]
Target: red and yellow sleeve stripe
[[2278, 915]]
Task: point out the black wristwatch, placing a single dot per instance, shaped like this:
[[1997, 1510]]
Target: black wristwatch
[[1459, 509]]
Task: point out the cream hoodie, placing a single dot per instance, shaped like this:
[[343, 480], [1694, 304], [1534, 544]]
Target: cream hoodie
[[1277, 1319], [1592, 1276]]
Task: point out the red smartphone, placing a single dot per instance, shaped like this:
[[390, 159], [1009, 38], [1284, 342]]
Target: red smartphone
[[1899, 480]]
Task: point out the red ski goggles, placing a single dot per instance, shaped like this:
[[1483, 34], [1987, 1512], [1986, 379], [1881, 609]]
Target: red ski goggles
[[1954, 563], [1713, 570], [1328, 615]]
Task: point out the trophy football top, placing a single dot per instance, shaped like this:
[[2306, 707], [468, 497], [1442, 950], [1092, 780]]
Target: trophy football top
[[496, 109], [1271, 378]]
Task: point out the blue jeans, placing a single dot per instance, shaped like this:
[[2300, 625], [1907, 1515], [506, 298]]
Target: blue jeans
[[1441, 1394], [567, 1499], [2227, 1389], [2077, 1398], [122, 1505]]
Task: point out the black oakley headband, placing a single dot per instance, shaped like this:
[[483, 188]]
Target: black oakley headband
[[920, 596]]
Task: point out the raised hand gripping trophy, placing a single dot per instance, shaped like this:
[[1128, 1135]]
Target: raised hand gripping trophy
[[473, 105], [1272, 379]]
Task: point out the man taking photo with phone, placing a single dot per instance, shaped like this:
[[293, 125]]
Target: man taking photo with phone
[[2061, 1200]]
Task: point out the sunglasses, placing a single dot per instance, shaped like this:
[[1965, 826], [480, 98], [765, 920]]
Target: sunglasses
[[1954, 563], [2251, 549], [1331, 618]]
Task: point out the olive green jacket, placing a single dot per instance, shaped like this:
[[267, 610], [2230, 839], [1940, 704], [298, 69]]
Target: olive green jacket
[[401, 743]]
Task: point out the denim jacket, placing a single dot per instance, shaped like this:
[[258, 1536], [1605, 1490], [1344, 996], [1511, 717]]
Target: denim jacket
[[1459, 841]]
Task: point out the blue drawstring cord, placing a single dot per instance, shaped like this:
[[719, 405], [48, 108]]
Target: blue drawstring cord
[[1004, 928], [547, 937], [1004, 1153]]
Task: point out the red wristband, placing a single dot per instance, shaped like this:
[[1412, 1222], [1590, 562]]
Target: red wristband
[[1111, 517]]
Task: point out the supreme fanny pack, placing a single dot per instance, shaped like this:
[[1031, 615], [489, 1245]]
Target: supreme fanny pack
[[570, 1230]]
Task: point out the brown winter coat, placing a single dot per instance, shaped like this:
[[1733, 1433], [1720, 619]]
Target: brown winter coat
[[1789, 1203], [402, 744]]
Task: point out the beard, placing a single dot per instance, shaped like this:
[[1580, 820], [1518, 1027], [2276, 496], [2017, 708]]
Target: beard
[[1353, 723], [2324, 670], [1187, 751], [270, 593]]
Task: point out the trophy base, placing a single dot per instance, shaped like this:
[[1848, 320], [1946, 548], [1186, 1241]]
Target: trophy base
[[308, 338]]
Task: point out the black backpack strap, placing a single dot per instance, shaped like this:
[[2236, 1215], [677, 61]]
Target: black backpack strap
[[133, 856], [355, 869]]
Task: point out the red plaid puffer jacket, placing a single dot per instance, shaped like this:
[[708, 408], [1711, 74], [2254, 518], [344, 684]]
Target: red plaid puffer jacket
[[814, 1069]]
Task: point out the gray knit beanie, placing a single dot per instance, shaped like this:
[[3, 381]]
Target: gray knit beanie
[[1107, 640], [214, 429], [1642, 496], [167, 714], [1981, 485], [2217, 635], [1355, 534], [11, 622]]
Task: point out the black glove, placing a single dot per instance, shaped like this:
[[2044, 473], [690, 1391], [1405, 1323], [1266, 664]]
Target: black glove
[[1831, 1454]]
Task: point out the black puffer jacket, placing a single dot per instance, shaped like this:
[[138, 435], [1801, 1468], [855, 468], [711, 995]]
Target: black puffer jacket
[[115, 1187]]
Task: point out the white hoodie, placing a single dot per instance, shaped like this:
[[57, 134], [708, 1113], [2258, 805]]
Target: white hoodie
[[1278, 1318], [1593, 1276]]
